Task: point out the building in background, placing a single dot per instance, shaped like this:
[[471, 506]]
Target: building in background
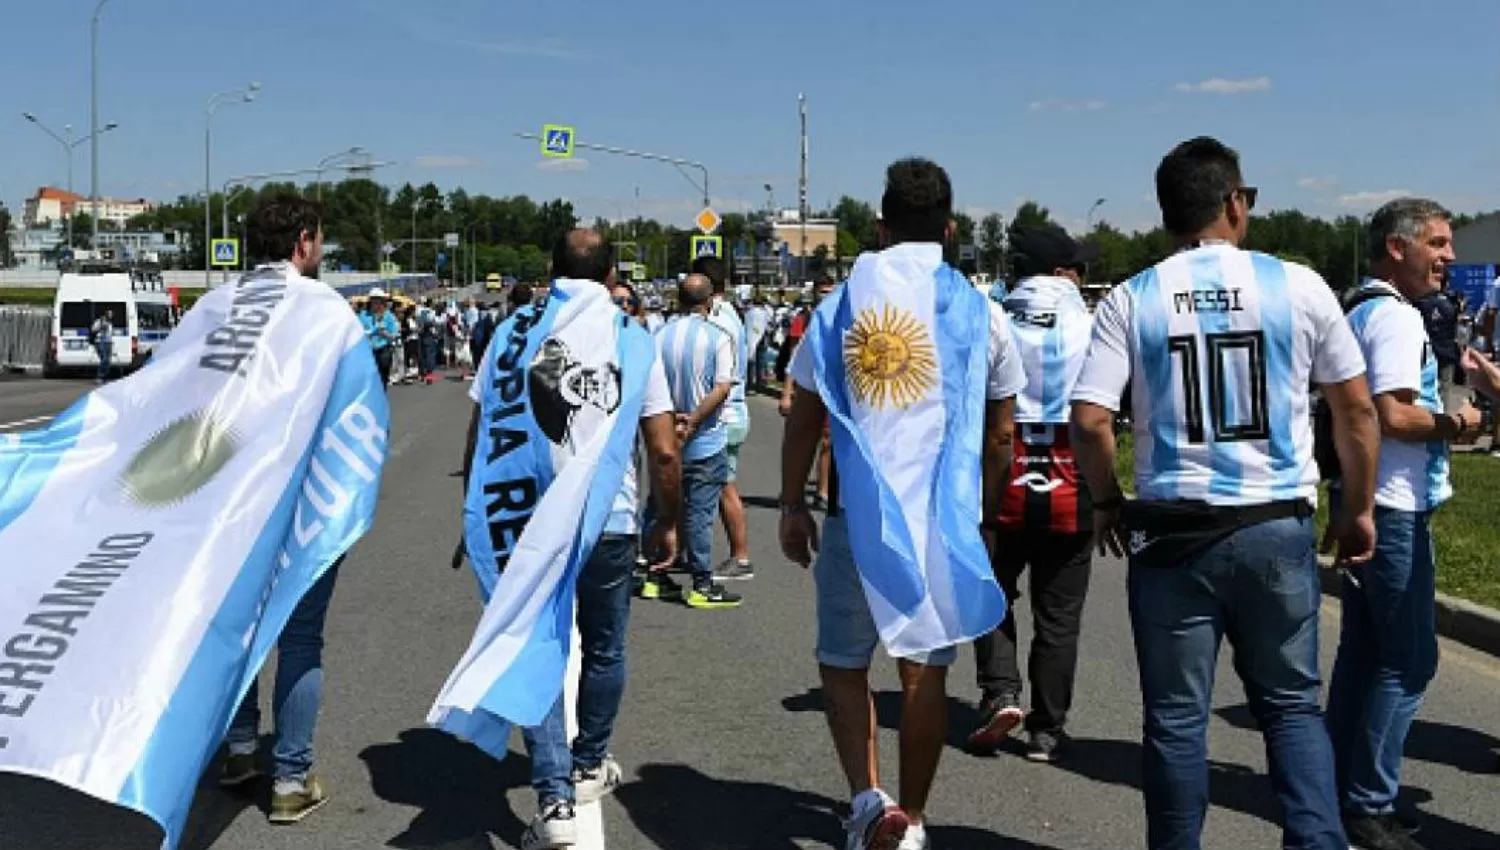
[[50, 206]]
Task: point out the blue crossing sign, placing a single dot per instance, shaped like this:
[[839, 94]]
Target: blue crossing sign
[[226, 252], [708, 246], [557, 140]]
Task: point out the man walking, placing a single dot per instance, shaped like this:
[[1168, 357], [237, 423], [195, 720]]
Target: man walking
[[699, 360], [1044, 515], [566, 774], [102, 334], [1388, 650], [918, 373], [287, 232], [383, 332], [737, 567], [1219, 346], [757, 322]]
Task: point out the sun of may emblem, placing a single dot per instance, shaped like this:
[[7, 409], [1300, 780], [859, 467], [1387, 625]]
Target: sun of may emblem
[[889, 358]]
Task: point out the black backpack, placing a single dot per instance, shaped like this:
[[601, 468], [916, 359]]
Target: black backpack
[[1325, 450]]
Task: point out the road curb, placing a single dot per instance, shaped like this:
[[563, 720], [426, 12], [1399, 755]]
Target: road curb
[[1473, 625]]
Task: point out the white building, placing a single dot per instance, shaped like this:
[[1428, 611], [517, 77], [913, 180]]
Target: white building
[[51, 206]]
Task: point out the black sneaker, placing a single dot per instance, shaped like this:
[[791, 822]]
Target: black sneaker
[[1378, 832], [1043, 746], [999, 715], [732, 570], [710, 597]]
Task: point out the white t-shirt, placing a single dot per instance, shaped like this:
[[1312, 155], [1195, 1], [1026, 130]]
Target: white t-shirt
[[1219, 347], [1410, 476], [1006, 377], [624, 512]]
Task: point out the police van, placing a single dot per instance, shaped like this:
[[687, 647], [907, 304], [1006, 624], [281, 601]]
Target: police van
[[140, 310]]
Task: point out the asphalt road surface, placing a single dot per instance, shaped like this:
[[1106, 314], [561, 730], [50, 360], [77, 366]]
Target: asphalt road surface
[[721, 735]]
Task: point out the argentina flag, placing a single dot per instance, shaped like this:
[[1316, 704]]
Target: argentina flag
[[158, 534], [901, 357], [560, 393]]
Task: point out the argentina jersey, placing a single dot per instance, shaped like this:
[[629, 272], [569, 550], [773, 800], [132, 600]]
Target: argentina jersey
[[1219, 347], [1392, 336], [697, 355], [1051, 326]]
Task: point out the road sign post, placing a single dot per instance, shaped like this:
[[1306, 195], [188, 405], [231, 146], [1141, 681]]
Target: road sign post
[[226, 252]]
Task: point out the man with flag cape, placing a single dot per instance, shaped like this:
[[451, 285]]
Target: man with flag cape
[[160, 533], [550, 515], [917, 373]]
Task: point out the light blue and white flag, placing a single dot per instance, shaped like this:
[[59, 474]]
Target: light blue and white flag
[[158, 534], [901, 355], [561, 389]]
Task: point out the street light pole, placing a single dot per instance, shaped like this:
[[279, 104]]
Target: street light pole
[[245, 95], [328, 161], [1090, 217], [69, 144], [94, 120]]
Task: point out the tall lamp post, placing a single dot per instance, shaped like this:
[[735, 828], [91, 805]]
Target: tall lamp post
[[1090, 217], [327, 162], [94, 120], [245, 95], [68, 145]]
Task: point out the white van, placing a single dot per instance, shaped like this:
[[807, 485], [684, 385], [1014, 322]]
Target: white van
[[140, 308]]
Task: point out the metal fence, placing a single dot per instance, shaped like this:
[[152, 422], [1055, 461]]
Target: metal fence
[[23, 337]]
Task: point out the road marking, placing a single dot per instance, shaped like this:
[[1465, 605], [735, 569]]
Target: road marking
[[21, 423], [590, 817]]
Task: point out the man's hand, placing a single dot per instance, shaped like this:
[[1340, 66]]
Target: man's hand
[[663, 545], [799, 536], [1108, 532], [1469, 417], [459, 553], [1355, 538], [784, 406], [1483, 375], [685, 425]]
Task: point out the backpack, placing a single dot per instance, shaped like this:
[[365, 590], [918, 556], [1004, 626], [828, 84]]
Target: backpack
[[1325, 449]]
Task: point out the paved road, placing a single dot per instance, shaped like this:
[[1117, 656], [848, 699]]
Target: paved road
[[721, 735]]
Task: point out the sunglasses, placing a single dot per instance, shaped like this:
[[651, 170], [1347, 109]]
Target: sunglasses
[[623, 300], [1249, 193]]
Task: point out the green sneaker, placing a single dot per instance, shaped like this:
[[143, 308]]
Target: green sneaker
[[712, 597], [291, 801], [239, 769], [659, 585]]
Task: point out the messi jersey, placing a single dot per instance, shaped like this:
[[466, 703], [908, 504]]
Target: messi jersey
[[1219, 347]]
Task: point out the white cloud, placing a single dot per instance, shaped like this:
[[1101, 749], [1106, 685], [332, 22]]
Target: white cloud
[[1317, 183], [1219, 85], [1059, 104], [564, 165], [1369, 199], [448, 161]]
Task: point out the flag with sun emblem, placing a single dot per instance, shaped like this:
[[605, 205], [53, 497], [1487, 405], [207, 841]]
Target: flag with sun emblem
[[900, 355], [158, 534]]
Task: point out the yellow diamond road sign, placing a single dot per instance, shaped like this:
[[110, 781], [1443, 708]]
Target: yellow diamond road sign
[[708, 221]]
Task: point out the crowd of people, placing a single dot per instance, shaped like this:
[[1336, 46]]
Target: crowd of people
[[1211, 352]]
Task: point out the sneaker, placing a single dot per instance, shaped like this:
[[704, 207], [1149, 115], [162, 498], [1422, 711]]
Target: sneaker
[[915, 839], [712, 597], [1378, 832], [999, 715], [1043, 746], [590, 784], [294, 799], [732, 570], [239, 768], [659, 585], [553, 827], [876, 823]]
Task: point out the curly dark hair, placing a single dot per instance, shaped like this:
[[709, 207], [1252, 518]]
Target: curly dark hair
[[918, 201], [1192, 183], [276, 225]]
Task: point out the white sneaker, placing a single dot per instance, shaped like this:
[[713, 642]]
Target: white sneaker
[[553, 827], [592, 784], [916, 838], [876, 823]]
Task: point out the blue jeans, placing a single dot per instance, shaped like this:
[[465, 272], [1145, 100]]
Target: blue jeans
[[1388, 653], [299, 685], [104, 352], [702, 484], [1259, 587], [603, 615]]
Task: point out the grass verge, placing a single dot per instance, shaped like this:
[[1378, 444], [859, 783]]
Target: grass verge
[[41, 296]]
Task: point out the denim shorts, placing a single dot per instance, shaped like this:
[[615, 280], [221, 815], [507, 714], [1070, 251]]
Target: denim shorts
[[846, 629], [738, 432]]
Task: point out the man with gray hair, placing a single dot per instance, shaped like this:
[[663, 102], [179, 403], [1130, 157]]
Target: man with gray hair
[[1388, 649]]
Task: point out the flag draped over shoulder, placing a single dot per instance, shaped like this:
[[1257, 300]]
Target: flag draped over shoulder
[[900, 356], [561, 395], [158, 534]]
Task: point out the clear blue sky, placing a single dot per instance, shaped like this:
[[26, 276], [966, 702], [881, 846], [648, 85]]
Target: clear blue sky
[[1332, 103]]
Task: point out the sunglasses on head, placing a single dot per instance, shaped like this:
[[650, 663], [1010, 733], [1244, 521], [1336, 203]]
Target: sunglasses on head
[[1249, 193]]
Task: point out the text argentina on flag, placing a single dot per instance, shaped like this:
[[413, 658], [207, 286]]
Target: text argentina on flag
[[900, 355], [158, 534]]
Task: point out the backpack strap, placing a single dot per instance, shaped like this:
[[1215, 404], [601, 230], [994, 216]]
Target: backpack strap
[[1369, 295]]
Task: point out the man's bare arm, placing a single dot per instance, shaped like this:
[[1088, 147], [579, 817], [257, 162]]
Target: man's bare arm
[[666, 466], [799, 445], [1093, 434], [1356, 438], [999, 430]]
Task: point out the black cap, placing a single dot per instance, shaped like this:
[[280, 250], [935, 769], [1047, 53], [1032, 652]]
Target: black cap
[[1039, 249]]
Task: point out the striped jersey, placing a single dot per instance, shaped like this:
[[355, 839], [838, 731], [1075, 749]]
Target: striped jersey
[[1390, 331], [1051, 326], [1219, 347], [726, 318], [697, 356]]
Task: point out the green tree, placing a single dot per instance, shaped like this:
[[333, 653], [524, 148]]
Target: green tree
[[858, 218], [963, 228], [5, 229], [847, 243], [992, 244]]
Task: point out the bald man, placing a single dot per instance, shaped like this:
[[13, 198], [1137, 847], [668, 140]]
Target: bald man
[[699, 360]]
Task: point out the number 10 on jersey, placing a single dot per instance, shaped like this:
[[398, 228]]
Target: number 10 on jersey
[[1232, 420]]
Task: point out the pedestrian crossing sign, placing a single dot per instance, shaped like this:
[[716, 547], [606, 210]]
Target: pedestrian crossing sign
[[708, 246], [226, 252], [557, 140]]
